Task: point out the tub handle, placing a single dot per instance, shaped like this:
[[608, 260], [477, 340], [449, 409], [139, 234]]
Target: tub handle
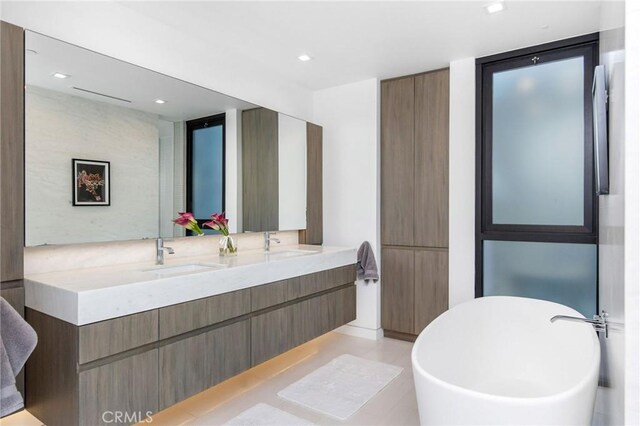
[[599, 322]]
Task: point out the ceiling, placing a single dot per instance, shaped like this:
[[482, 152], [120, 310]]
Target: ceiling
[[356, 40], [134, 87]]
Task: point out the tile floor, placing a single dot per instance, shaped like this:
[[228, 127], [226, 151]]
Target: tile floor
[[395, 405]]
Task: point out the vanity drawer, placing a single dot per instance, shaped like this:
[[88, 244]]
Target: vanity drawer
[[188, 316], [117, 335], [196, 363], [280, 330], [129, 385], [278, 292]]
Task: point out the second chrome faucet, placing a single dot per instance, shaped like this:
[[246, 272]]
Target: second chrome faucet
[[268, 239]]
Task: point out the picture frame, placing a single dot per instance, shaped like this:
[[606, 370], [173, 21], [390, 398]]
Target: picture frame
[[91, 182]]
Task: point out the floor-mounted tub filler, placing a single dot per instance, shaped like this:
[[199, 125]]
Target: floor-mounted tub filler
[[501, 361]]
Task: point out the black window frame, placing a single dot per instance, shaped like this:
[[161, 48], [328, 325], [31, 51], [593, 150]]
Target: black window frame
[[486, 230], [191, 126]]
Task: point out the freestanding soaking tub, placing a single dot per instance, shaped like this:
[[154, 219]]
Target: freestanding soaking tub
[[500, 361]]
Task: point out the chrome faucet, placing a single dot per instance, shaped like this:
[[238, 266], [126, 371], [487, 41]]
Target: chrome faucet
[[268, 239], [160, 248], [599, 322]]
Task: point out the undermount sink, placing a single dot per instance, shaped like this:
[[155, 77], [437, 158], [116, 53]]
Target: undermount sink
[[184, 269], [289, 253]]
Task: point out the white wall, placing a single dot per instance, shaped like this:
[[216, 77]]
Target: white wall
[[179, 172], [610, 401], [167, 171], [462, 178], [60, 127], [116, 30], [233, 169], [292, 173], [349, 115], [632, 214]]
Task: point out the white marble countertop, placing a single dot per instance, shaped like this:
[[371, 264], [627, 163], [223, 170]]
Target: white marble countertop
[[84, 296]]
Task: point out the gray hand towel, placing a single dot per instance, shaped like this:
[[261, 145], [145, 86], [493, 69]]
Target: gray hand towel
[[367, 267], [17, 341]]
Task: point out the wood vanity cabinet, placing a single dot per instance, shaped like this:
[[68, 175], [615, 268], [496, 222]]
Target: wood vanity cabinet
[[196, 363], [145, 362], [277, 331], [128, 386], [414, 201]]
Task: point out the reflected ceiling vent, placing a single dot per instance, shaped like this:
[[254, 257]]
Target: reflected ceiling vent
[[101, 94]]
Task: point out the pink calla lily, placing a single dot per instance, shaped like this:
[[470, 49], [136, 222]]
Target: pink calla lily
[[186, 220], [219, 223]]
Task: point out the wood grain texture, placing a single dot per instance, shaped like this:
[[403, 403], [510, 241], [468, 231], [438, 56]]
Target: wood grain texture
[[117, 335], [15, 297], [228, 352], [432, 159], [11, 152], [400, 336], [432, 286], [321, 281], [129, 386], [271, 294], [184, 317], [293, 288], [313, 234], [398, 288], [397, 161], [182, 369], [194, 364], [270, 334], [51, 371], [260, 170], [277, 331]]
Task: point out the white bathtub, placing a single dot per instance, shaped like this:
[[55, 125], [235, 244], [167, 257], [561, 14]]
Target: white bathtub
[[500, 361]]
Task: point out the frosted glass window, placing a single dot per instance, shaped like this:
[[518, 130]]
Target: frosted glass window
[[538, 144], [207, 172], [560, 272]]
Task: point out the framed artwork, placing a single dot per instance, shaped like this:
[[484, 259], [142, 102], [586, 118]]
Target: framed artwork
[[91, 182]]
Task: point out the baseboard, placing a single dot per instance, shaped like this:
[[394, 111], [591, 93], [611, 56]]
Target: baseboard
[[366, 333], [400, 336]]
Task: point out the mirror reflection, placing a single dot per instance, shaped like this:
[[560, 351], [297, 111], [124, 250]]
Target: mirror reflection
[[168, 146]]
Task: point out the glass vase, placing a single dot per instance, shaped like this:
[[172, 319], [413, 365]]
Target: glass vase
[[228, 246]]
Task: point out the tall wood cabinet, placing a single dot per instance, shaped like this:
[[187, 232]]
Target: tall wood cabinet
[[12, 152], [313, 233], [12, 169], [260, 170], [415, 201]]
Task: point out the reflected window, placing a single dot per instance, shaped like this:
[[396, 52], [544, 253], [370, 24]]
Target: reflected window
[[205, 168]]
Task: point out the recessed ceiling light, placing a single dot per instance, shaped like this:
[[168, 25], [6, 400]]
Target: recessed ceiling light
[[494, 7], [160, 101], [305, 57], [60, 75]]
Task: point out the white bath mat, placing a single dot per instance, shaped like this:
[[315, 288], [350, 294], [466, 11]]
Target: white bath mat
[[266, 415], [341, 387]]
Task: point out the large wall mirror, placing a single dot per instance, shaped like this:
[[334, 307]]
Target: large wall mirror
[[113, 151]]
